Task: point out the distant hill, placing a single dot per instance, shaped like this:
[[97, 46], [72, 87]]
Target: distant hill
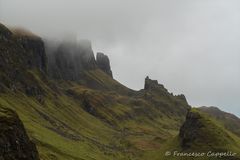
[[201, 137], [230, 121]]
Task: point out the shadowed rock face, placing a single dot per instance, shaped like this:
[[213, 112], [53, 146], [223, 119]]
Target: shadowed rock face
[[18, 55], [189, 132], [14, 141], [104, 63], [21, 51], [35, 47], [201, 132]]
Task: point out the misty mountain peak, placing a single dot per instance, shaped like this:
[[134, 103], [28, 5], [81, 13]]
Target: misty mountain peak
[[70, 59]]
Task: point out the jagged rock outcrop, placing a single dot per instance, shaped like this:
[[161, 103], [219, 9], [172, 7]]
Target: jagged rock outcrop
[[168, 103], [200, 132], [153, 85], [189, 132], [14, 141], [104, 63]]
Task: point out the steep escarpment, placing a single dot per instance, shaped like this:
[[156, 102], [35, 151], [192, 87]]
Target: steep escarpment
[[35, 48], [20, 56], [31, 51], [14, 141]]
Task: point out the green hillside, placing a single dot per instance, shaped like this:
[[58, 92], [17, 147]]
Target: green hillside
[[200, 134], [228, 120], [76, 122], [87, 115]]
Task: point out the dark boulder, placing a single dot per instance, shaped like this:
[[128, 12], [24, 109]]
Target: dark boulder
[[189, 132], [14, 141], [201, 132]]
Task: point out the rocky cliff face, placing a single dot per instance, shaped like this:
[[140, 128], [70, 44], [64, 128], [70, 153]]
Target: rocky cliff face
[[21, 51], [69, 60], [34, 46], [30, 50], [20, 56], [104, 63], [14, 141]]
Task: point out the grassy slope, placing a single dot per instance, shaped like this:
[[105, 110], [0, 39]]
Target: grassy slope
[[213, 136], [121, 124], [97, 118], [118, 127], [229, 121]]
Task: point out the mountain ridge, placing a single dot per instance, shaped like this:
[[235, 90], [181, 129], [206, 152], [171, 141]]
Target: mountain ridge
[[72, 108]]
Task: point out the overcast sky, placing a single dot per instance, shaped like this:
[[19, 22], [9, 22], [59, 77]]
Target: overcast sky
[[190, 46]]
